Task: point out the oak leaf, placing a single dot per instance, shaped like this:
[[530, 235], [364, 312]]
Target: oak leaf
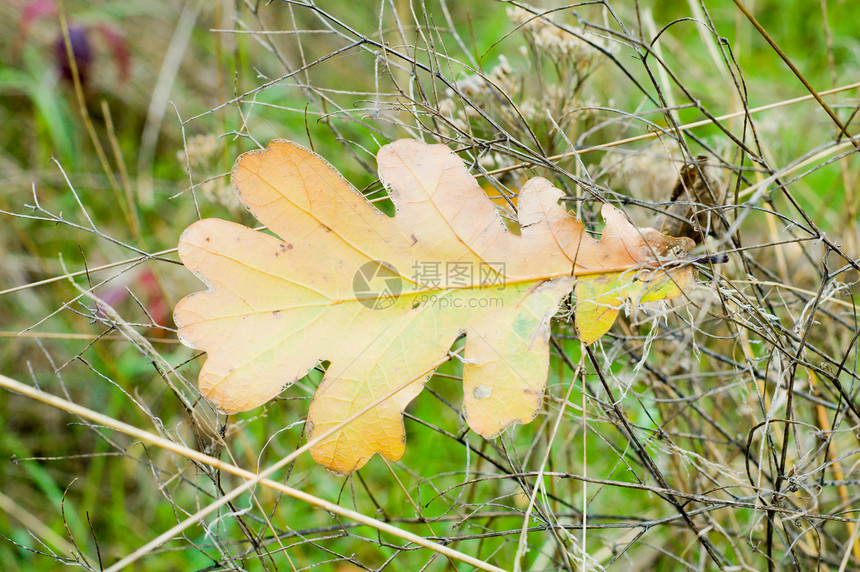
[[384, 298]]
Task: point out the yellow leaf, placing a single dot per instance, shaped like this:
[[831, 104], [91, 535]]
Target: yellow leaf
[[383, 298], [599, 297]]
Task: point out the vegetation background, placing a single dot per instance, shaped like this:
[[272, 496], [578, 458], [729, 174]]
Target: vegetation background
[[718, 432]]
